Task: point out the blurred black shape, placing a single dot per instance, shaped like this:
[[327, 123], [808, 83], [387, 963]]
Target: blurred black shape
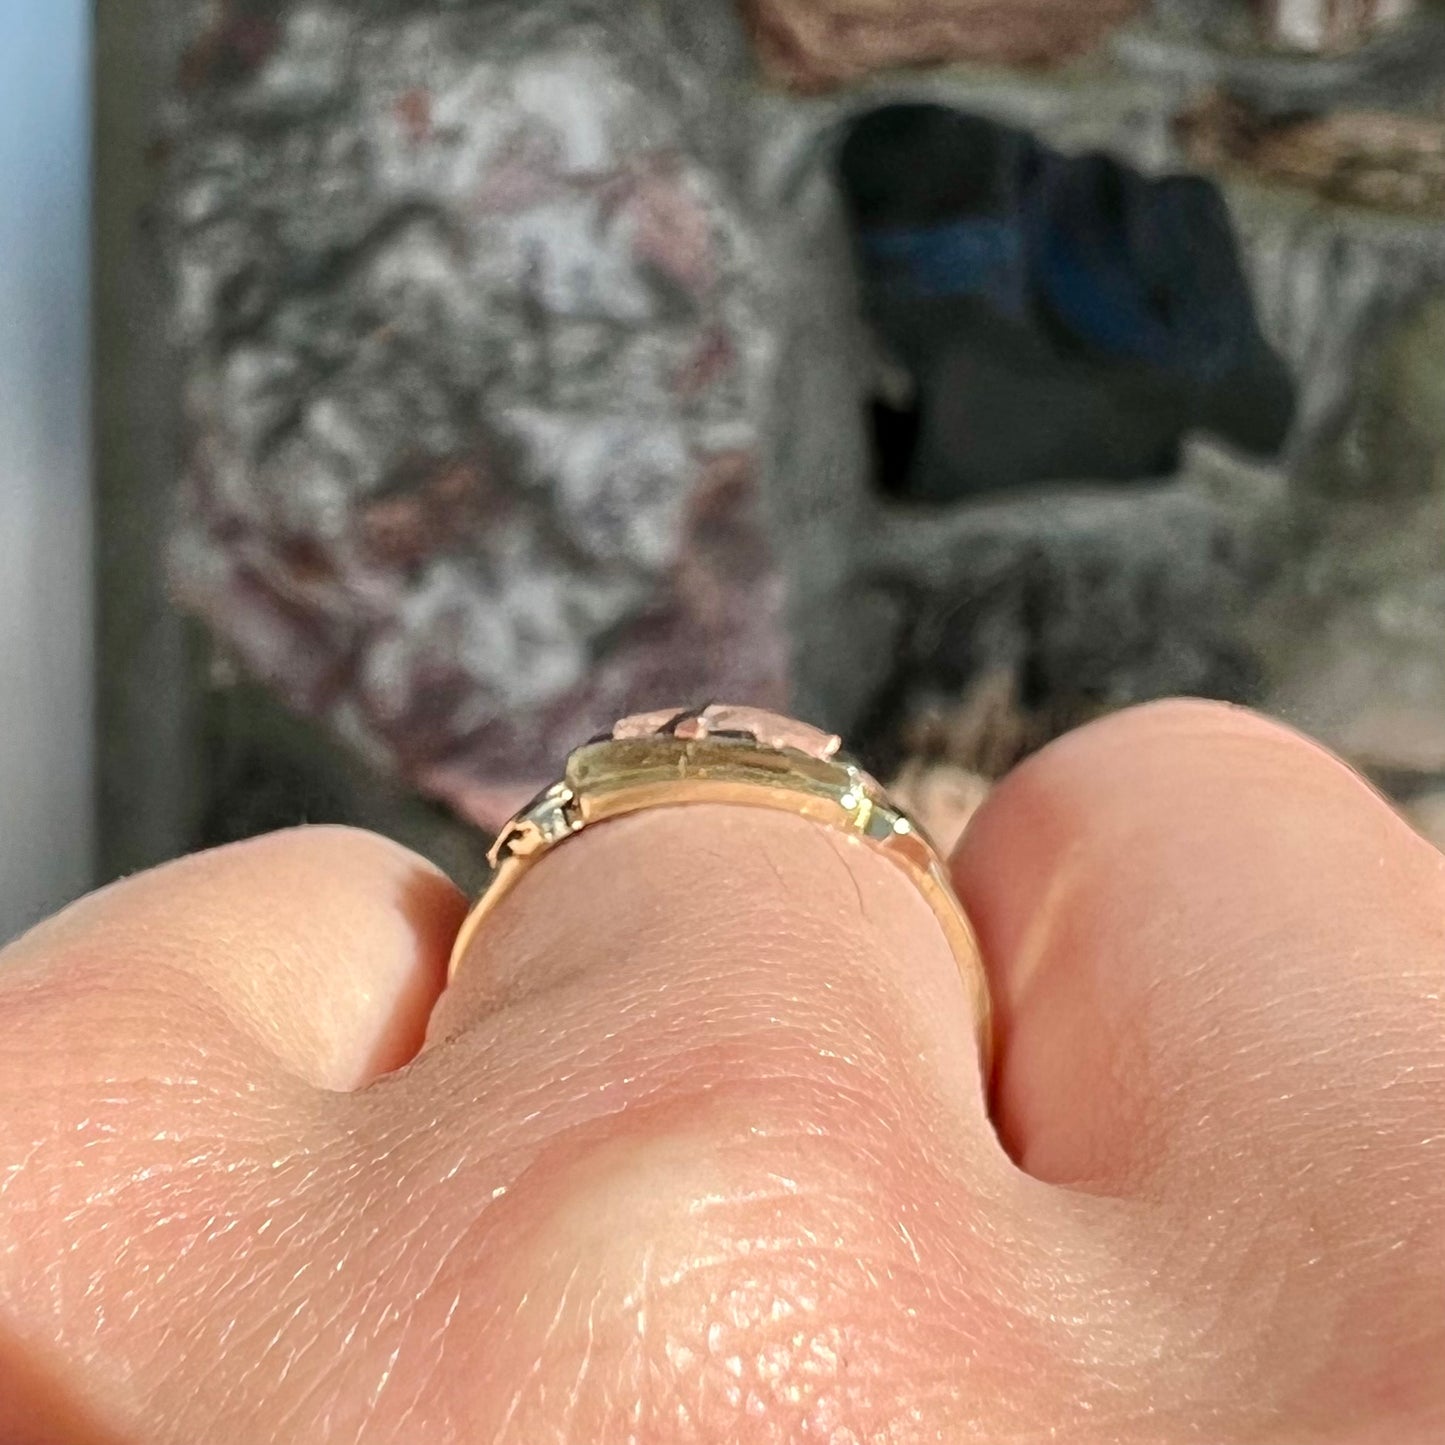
[[1058, 317]]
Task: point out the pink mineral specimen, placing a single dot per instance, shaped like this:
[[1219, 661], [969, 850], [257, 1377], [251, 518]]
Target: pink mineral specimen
[[817, 43]]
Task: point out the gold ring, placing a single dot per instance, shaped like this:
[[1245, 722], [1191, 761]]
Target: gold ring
[[733, 755]]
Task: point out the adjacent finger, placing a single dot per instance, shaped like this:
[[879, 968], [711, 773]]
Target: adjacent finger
[[1214, 951], [326, 946]]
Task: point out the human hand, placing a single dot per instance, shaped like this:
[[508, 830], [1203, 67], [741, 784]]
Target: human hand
[[696, 1148]]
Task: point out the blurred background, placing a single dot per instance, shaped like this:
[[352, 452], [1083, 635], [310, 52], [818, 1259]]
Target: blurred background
[[393, 393], [47, 813]]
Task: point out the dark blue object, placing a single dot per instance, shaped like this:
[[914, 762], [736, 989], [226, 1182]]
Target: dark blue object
[[1060, 316], [981, 256], [1136, 269]]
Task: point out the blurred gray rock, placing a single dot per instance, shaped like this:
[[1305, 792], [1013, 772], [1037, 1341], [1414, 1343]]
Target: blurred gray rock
[[478, 336], [1356, 622], [1393, 58]]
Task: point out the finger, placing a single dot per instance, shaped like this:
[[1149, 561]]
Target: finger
[[325, 946], [1215, 952], [36, 1406], [157, 1120], [745, 925], [701, 1133], [721, 1064]]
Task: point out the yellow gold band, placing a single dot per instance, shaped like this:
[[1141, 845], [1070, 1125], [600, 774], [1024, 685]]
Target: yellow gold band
[[732, 756]]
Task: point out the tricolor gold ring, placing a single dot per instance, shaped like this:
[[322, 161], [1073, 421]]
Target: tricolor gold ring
[[739, 756]]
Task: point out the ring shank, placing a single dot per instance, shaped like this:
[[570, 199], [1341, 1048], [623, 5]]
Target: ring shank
[[613, 779]]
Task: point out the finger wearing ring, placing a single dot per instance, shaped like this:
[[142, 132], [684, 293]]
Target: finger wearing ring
[[739, 756]]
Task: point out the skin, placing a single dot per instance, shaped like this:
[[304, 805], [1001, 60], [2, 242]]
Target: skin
[[697, 1150]]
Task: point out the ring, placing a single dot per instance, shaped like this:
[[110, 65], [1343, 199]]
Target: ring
[[735, 755]]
